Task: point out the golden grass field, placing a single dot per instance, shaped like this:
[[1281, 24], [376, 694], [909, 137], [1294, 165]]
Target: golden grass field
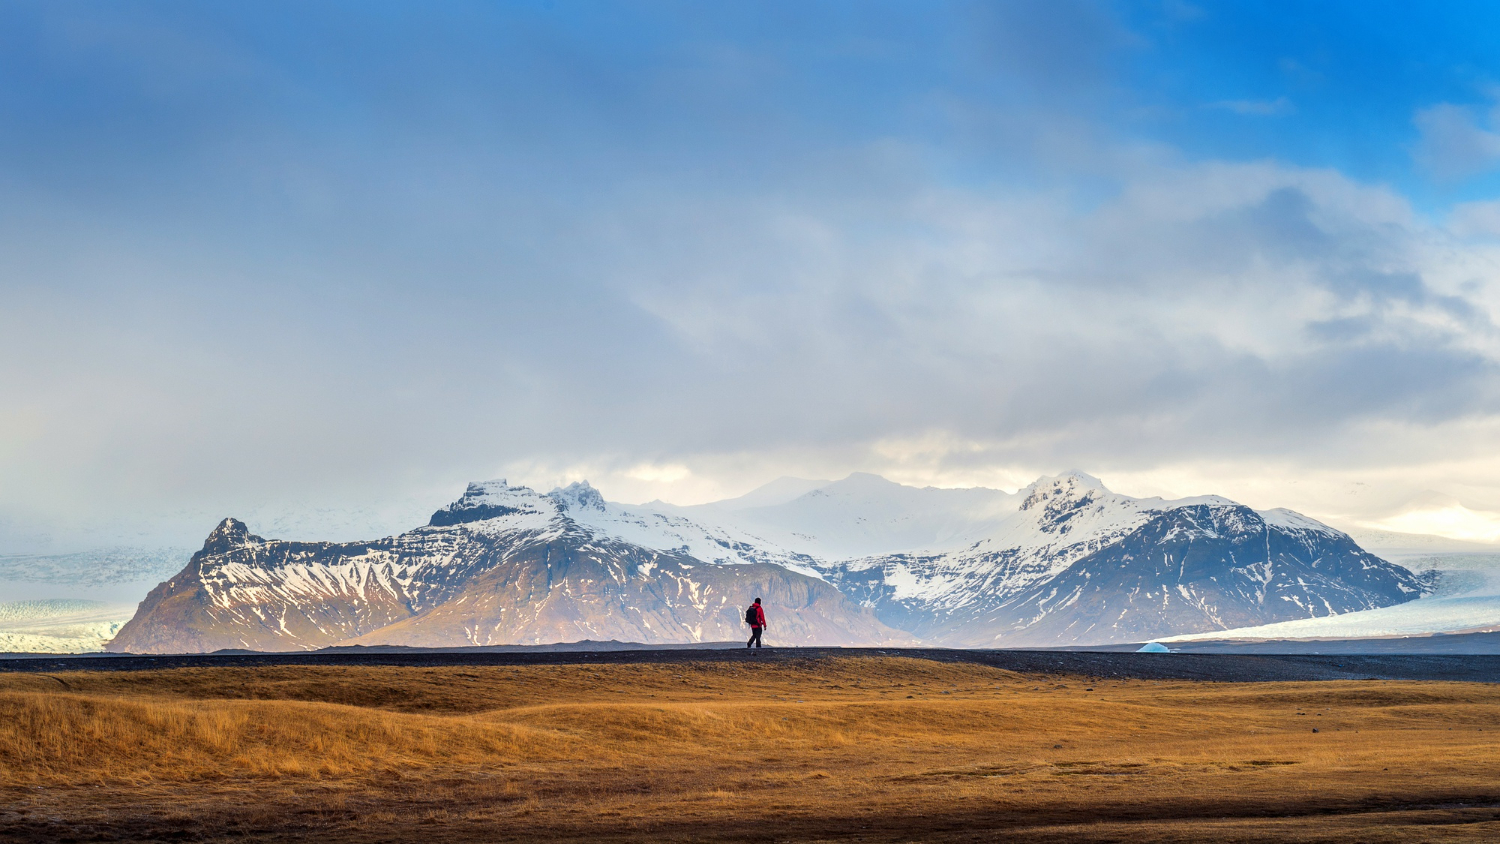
[[857, 749]]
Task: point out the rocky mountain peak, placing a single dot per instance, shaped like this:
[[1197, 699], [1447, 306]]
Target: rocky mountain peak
[[577, 496], [231, 533]]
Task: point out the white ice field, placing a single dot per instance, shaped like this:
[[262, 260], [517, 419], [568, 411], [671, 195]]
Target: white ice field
[[1467, 600], [60, 626]]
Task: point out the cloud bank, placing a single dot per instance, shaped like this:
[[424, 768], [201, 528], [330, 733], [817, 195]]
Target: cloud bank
[[246, 272]]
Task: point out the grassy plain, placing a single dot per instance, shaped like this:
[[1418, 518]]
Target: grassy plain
[[867, 749]]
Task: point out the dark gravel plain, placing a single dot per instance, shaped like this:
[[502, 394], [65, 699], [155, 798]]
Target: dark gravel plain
[[1211, 667]]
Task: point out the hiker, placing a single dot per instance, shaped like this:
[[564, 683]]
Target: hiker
[[756, 618]]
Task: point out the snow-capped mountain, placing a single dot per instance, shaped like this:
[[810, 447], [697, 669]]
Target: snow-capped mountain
[[862, 560], [779, 491], [1203, 566], [865, 515], [1043, 566], [502, 565]]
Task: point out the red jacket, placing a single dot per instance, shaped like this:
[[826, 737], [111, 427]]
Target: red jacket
[[760, 616]]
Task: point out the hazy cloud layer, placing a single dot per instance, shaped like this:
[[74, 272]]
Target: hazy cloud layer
[[251, 267]]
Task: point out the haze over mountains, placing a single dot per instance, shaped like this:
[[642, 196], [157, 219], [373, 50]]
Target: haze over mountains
[[858, 561]]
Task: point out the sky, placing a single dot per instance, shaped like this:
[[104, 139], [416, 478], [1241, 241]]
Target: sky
[[327, 261]]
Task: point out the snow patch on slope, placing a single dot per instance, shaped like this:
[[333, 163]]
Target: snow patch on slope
[[1292, 520]]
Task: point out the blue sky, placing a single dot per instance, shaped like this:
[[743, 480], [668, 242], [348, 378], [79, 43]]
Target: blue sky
[[728, 93], [1335, 85], [323, 256]]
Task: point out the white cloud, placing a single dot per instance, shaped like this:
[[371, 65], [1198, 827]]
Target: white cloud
[[1235, 316], [1455, 521], [1456, 141], [1475, 220], [315, 286]]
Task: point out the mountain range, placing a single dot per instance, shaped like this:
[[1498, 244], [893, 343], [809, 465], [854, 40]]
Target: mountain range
[[1062, 561]]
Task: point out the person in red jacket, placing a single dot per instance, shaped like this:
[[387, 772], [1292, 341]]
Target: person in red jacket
[[756, 618]]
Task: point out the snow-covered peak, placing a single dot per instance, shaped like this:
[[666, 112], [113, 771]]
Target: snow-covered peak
[[1067, 510], [491, 500], [497, 491], [1068, 486], [576, 497], [1292, 520], [1072, 478], [779, 491], [867, 481], [866, 514]]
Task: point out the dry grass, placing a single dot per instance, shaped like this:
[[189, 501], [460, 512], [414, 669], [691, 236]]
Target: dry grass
[[858, 749]]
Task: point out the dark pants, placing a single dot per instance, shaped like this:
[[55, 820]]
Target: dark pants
[[754, 637]]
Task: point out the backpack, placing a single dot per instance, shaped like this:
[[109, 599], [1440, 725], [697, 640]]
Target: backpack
[[751, 618]]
